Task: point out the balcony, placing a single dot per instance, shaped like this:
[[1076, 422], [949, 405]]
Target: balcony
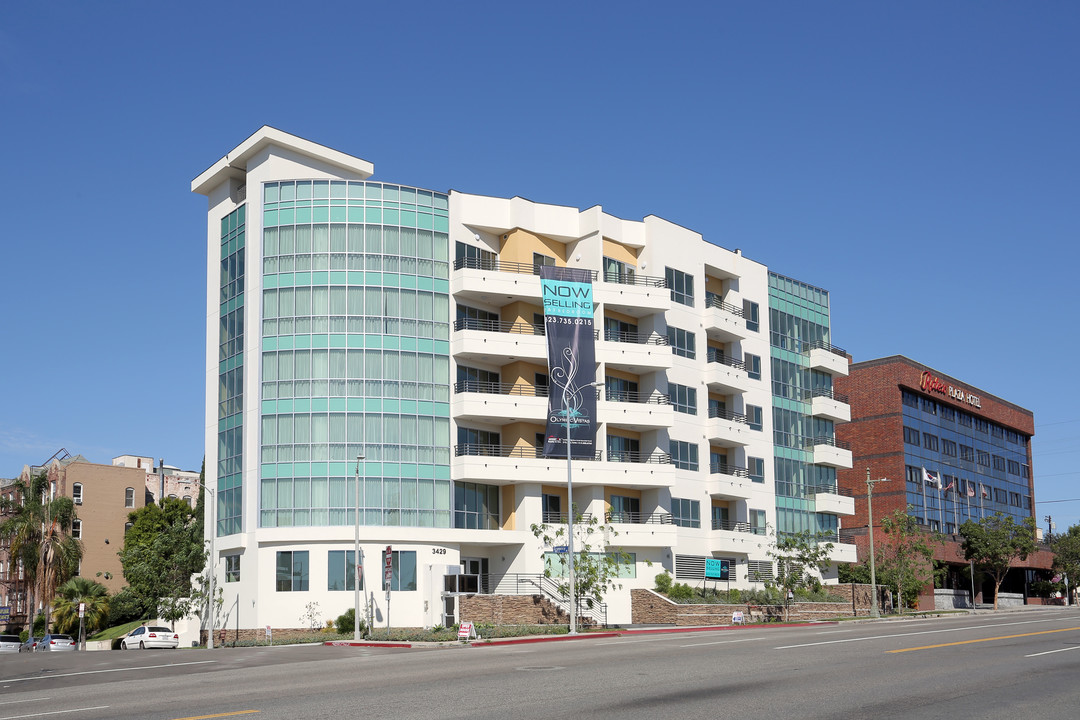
[[825, 403], [496, 341], [728, 429], [730, 482], [827, 358], [632, 294], [737, 527], [725, 374], [640, 530], [634, 352], [723, 321], [833, 500], [830, 451], [843, 547], [636, 411], [513, 464], [498, 402]]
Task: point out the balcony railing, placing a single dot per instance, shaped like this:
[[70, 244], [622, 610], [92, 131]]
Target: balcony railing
[[725, 469], [826, 440], [729, 415], [822, 345], [734, 526], [560, 518], [637, 518], [635, 338], [633, 456], [629, 278], [831, 489], [628, 396], [828, 393], [494, 388], [496, 265], [716, 356], [498, 326], [713, 300]]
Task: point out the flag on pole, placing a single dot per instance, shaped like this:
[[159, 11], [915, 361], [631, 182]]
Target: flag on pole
[[931, 478], [949, 486], [982, 488], [970, 489]]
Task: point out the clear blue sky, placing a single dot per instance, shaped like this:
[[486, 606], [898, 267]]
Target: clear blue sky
[[919, 160]]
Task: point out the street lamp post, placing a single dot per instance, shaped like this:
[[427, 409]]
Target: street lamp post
[[870, 512], [213, 567], [358, 562], [570, 503]]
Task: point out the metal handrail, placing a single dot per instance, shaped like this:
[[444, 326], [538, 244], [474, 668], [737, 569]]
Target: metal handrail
[[829, 393], [831, 489], [718, 356], [624, 278], [729, 415], [630, 396], [514, 328], [496, 265], [515, 451], [822, 345], [634, 456], [637, 518], [715, 301], [826, 440], [737, 526], [725, 469], [635, 338], [560, 518], [494, 388]]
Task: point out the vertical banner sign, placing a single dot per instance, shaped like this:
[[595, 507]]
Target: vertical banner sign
[[568, 324]]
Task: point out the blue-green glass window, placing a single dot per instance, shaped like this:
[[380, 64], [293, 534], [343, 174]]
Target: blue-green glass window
[[683, 398], [682, 342], [684, 455], [685, 512], [292, 571], [681, 285], [403, 570], [341, 570]]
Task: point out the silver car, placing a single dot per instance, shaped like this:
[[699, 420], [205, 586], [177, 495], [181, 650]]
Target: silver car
[[9, 643], [55, 642]]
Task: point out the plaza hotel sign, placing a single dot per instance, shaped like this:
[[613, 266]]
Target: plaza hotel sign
[[932, 383]]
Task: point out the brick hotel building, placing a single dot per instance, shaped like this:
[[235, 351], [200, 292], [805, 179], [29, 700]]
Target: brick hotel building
[[951, 451], [348, 316]]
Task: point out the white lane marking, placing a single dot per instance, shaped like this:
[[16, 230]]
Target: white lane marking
[[55, 712], [1051, 652], [921, 632], [13, 702], [111, 670], [722, 642]]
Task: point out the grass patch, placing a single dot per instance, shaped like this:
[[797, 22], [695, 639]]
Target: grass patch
[[118, 631]]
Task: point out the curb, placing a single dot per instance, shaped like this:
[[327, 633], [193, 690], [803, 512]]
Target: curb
[[352, 643]]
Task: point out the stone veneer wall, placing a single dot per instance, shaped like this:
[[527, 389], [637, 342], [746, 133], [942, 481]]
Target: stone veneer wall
[[651, 608], [510, 610]]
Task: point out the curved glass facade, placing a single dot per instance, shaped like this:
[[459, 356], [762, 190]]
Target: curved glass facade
[[355, 354]]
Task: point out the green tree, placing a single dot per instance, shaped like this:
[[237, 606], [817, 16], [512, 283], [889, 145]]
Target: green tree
[[995, 542], [37, 529], [800, 558], [163, 549], [905, 560], [1066, 548], [597, 567], [81, 590]]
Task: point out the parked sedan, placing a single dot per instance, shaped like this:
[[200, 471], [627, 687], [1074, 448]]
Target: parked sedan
[[9, 643], [29, 645], [150, 636], [55, 642]]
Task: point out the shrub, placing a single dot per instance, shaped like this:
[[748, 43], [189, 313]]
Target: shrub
[[345, 623], [734, 596], [681, 591], [663, 583]]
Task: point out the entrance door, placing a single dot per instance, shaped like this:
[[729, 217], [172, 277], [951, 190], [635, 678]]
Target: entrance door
[[477, 569]]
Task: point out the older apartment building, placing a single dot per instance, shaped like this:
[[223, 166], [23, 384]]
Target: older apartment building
[[351, 317]]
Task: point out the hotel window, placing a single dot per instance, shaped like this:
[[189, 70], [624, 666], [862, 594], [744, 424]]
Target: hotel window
[[469, 256], [909, 398], [1025, 471], [964, 419], [232, 568], [757, 469], [540, 261], [625, 509], [929, 406], [757, 521], [341, 570], [1001, 496], [619, 330], [967, 453], [982, 425], [682, 342], [622, 449], [947, 413], [476, 506], [76, 493], [750, 312], [292, 571], [683, 398], [930, 442], [1014, 467], [983, 458], [620, 390], [403, 570], [685, 513], [753, 366], [129, 497], [1014, 499], [999, 463], [681, 285], [754, 417], [911, 436], [948, 447], [684, 455], [997, 431], [76, 529]]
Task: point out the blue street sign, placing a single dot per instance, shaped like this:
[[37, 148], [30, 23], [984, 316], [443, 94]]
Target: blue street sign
[[561, 549]]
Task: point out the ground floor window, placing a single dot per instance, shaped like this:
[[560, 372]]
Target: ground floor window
[[341, 571], [232, 568], [403, 567], [292, 571]]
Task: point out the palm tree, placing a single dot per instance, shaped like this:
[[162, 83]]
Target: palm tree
[[38, 530], [81, 590]]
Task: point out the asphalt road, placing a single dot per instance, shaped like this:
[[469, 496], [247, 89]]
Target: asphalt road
[[986, 666]]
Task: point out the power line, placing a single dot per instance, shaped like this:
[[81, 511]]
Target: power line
[[1047, 502]]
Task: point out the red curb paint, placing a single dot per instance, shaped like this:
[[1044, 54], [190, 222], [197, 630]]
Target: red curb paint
[[346, 643]]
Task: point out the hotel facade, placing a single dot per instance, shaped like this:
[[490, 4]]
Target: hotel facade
[[350, 317]]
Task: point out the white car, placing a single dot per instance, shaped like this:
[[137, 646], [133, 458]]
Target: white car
[[9, 643], [150, 636]]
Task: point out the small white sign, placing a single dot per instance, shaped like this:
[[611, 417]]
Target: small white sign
[[737, 618], [82, 609], [466, 631], [269, 632]]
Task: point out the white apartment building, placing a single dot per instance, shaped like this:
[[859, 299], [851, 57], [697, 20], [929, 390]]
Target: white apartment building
[[349, 317]]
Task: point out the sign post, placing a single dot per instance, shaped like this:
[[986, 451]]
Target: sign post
[[388, 575], [82, 629]]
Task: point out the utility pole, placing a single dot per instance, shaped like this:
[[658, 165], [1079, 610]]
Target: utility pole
[[870, 513]]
